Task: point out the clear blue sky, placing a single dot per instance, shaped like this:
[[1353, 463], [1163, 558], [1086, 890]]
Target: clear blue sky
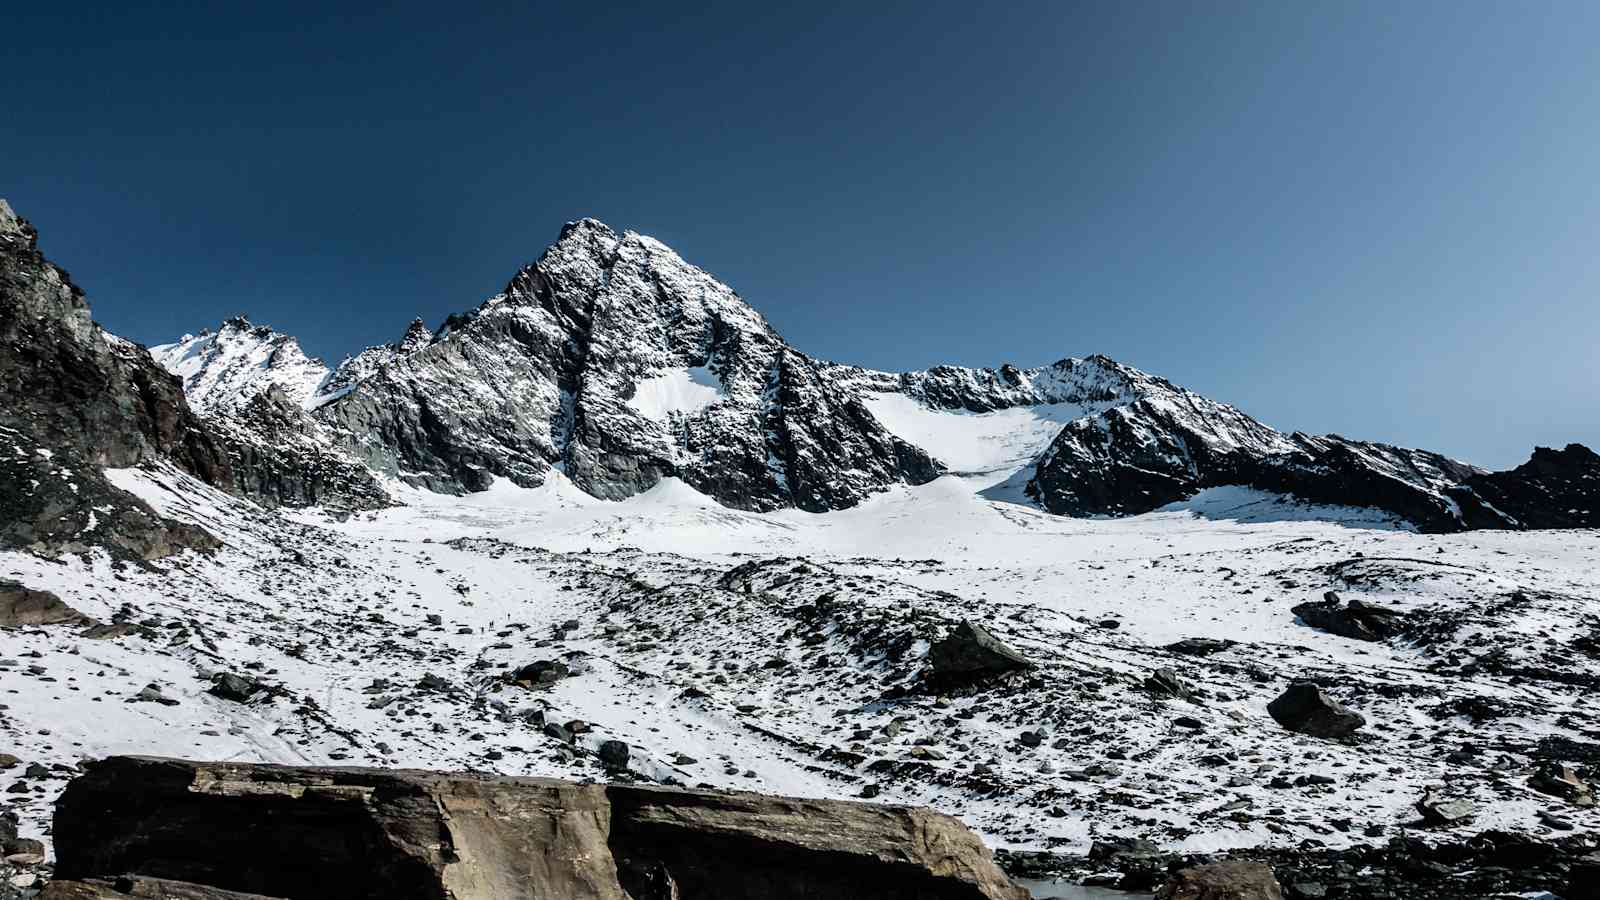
[[1379, 219]]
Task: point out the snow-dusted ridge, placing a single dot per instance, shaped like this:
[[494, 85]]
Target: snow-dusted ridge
[[223, 369]]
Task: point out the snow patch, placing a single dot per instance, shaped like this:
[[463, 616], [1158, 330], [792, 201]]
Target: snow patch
[[676, 392]]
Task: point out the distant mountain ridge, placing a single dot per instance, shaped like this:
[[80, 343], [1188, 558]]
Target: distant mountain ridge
[[617, 363]]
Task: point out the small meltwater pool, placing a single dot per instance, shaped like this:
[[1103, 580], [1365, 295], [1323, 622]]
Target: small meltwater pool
[[1063, 890]]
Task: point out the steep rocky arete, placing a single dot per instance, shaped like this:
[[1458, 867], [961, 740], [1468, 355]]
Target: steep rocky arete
[[192, 829]]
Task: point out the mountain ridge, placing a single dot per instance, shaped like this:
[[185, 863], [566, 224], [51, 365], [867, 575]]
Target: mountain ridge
[[617, 363], [604, 318]]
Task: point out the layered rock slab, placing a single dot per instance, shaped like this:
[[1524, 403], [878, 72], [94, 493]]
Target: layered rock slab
[[288, 832]]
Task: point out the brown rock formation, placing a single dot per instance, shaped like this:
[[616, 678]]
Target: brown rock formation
[[283, 832]]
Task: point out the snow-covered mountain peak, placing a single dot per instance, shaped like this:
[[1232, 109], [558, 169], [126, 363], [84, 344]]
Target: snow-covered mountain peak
[[417, 336], [225, 369]]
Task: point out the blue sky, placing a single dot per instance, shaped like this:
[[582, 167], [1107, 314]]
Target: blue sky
[[1378, 219]]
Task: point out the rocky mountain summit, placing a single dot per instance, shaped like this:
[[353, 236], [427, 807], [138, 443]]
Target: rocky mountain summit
[[618, 362]]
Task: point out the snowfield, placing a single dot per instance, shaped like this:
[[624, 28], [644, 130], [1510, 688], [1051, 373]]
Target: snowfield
[[782, 652], [1002, 441], [676, 392]]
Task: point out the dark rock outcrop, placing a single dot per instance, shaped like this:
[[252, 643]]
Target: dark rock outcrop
[[280, 457], [54, 501], [69, 385], [1168, 444], [1226, 880], [278, 832], [970, 653], [1355, 619], [21, 606], [1173, 443], [1166, 683], [1199, 646], [73, 401], [1306, 709], [1553, 489]]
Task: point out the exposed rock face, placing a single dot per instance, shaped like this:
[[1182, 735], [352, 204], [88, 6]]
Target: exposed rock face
[[282, 456], [21, 606], [358, 833], [55, 501], [1227, 880], [73, 400], [1172, 443], [1306, 709], [1169, 443], [70, 385]]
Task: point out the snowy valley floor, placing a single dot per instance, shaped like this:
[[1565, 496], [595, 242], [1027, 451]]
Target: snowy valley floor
[[781, 653]]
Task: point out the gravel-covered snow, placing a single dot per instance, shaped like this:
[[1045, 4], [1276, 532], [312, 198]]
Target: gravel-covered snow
[[772, 651]]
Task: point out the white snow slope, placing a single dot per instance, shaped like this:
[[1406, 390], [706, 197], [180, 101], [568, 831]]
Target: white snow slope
[[772, 652]]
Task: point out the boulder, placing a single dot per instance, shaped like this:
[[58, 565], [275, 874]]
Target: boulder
[[23, 851], [227, 830], [1444, 812], [1199, 646], [969, 653], [21, 606], [1166, 683], [1358, 620], [237, 688], [1119, 849], [1562, 781], [541, 672], [614, 754], [1304, 708], [1227, 880]]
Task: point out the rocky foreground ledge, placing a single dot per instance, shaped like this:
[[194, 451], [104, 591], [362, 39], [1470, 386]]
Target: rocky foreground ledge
[[148, 827]]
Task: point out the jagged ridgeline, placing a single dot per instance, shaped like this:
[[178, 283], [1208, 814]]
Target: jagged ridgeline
[[615, 364]]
